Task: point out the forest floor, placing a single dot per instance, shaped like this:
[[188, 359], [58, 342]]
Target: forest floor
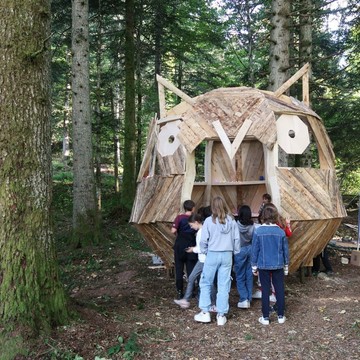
[[125, 310]]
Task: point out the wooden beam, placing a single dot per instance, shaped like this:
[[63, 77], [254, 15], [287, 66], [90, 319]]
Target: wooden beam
[[174, 89], [169, 119], [286, 85], [207, 166], [305, 89], [162, 101], [232, 148]]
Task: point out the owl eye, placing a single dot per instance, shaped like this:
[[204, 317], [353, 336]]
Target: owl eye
[[292, 134]]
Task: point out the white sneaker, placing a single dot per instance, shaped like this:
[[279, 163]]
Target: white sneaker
[[243, 304], [183, 303], [203, 317], [257, 294], [281, 319], [272, 298], [264, 321], [221, 320]]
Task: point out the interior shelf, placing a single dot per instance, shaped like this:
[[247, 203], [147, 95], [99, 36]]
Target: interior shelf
[[227, 183]]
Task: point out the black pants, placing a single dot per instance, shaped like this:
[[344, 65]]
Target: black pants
[[324, 257], [182, 259]]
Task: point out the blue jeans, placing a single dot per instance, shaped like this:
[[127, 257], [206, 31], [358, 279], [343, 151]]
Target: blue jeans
[[219, 262], [244, 276]]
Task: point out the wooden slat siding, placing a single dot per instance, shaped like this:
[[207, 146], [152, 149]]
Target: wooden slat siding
[[308, 193], [198, 196], [167, 200], [149, 149], [308, 240], [158, 199], [144, 194], [191, 133], [172, 164], [221, 167], [303, 108], [228, 193], [179, 109], [160, 244], [253, 160], [252, 196], [326, 154], [298, 197], [264, 125]]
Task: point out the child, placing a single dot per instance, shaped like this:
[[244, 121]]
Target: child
[[286, 226], [270, 256], [185, 237], [242, 263], [219, 241], [266, 199], [195, 222]]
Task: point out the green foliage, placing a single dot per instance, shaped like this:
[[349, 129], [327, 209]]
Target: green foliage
[[130, 347], [11, 346]]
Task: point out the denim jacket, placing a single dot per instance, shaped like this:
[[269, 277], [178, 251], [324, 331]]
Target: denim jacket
[[270, 249]]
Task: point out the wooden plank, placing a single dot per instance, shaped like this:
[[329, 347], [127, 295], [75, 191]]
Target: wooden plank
[[326, 154], [208, 171], [147, 168], [169, 119], [162, 100], [189, 177], [286, 85], [174, 89], [305, 89]]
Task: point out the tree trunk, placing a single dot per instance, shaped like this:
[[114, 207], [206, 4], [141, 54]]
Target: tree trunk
[[85, 218], [128, 188], [279, 52], [279, 46], [31, 295]]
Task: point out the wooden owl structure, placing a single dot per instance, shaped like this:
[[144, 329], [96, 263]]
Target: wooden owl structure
[[228, 143]]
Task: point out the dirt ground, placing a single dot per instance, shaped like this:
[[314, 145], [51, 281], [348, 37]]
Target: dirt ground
[[125, 311]]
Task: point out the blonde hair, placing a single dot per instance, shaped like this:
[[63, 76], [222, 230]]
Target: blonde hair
[[219, 210]]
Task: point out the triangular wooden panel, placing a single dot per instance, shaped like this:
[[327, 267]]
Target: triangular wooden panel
[[171, 164]]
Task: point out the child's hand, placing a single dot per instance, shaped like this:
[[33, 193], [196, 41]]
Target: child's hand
[[254, 270], [189, 249], [286, 270]]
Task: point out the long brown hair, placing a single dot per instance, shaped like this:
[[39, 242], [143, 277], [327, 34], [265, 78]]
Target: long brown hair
[[219, 210]]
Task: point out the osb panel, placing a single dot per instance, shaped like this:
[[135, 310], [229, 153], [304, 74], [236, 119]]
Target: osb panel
[[309, 194], [157, 199], [171, 164]]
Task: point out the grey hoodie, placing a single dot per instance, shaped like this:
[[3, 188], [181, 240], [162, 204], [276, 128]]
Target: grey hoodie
[[220, 237], [246, 233]]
